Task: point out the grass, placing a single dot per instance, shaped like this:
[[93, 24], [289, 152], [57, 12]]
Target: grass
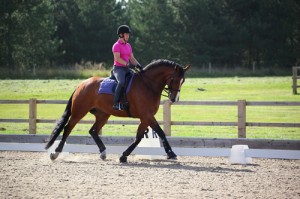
[[208, 89], [54, 73], [88, 69]]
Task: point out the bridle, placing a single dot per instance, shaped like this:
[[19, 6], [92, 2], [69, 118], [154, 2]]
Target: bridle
[[168, 90]]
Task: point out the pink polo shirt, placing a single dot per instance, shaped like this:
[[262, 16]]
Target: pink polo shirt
[[124, 49]]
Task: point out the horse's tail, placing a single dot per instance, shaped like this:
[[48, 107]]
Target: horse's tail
[[61, 123]]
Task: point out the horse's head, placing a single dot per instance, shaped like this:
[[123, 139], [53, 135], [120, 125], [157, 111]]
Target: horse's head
[[175, 82], [165, 73]]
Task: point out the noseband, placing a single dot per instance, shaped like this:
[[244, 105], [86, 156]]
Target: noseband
[[170, 89]]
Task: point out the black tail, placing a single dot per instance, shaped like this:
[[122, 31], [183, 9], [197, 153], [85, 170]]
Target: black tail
[[61, 123]]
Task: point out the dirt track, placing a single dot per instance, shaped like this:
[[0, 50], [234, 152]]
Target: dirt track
[[33, 175]]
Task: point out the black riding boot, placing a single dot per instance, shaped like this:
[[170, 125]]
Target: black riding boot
[[117, 105]]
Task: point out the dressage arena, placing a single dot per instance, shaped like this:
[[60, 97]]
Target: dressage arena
[[82, 175]]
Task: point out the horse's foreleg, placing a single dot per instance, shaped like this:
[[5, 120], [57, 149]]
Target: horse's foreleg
[[140, 134], [170, 154]]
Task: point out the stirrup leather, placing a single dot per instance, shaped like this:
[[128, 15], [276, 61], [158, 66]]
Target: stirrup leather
[[118, 106]]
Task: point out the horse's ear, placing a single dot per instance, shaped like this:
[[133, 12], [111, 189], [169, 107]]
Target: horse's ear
[[186, 67]]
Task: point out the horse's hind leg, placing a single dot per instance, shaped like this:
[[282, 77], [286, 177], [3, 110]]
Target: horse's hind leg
[[67, 130], [140, 134], [101, 119]]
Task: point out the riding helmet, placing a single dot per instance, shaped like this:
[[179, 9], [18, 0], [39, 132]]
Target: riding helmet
[[123, 29]]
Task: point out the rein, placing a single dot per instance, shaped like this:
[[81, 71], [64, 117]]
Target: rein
[[149, 87], [167, 89]]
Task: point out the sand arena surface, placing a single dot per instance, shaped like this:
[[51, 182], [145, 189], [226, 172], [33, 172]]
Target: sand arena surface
[[33, 175]]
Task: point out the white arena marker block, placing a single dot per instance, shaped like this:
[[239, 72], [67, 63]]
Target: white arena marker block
[[150, 140], [238, 155]]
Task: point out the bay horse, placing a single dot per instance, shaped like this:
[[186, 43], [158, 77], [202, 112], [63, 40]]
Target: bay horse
[[143, 97]]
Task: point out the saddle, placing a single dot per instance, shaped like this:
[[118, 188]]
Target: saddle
[[109, 84]]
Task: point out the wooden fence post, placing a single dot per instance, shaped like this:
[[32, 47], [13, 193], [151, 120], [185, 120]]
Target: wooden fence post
[[241, 118], [294, 80], [167, 117], [32, 116]]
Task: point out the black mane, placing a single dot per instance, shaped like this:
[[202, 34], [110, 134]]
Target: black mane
[[163, 62]]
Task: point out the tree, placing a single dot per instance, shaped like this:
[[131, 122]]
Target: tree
[[268, 30], [28, 37], [207, 31], [229, 33], [154, 31], [87, 29]]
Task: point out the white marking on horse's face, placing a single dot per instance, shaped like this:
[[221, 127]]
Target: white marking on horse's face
[[177, 96], [178, 93], [181, 82]]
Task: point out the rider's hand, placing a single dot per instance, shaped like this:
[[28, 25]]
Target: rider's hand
[[139, 66]]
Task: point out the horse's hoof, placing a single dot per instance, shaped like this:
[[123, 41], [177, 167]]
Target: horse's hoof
[[172, 156], [53, 156], [103, 155], [123, 159]]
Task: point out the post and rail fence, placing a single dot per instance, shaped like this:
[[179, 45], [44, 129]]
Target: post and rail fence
[[295, 78], [167, 122]]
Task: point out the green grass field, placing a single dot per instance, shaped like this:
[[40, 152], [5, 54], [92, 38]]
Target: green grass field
[[207, 89]]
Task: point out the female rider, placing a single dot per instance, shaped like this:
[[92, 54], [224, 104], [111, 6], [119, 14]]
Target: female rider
[[123, 56]]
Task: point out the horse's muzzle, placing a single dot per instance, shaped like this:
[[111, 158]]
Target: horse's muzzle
[[176, 99]]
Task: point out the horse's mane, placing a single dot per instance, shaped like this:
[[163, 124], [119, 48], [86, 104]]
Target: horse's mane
[[162, 62]]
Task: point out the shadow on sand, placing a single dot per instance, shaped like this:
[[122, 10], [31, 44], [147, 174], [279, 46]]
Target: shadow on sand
[[170, 164]]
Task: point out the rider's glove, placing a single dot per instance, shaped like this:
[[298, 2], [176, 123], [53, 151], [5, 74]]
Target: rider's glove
[[139, 66]]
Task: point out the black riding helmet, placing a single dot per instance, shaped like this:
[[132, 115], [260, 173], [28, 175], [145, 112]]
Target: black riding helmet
[[123, 29]]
